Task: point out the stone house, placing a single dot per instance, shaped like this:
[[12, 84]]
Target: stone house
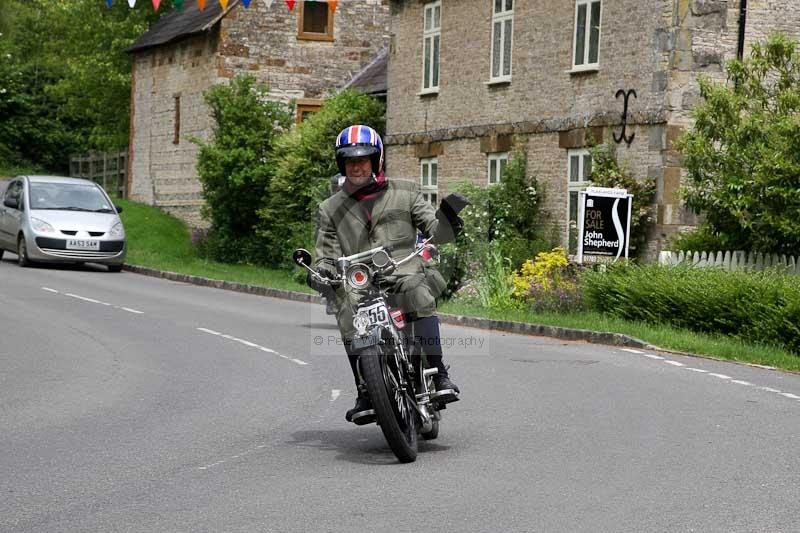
[[469, 78], [303, 55]]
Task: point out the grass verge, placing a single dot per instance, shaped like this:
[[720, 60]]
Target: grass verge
[[718, 346], [157, 240], [162, 242]]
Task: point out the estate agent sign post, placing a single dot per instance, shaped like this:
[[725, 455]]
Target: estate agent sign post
[[604, 221]]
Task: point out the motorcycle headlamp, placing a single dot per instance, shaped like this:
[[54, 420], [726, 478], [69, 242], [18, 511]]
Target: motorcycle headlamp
[[358, 275]]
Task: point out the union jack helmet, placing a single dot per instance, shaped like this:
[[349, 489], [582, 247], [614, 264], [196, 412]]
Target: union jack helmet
[[359, 141]]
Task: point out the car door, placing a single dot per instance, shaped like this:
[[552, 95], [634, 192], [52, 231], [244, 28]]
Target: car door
[[9, 217]]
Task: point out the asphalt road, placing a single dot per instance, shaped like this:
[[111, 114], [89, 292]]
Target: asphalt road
[[129, 403]]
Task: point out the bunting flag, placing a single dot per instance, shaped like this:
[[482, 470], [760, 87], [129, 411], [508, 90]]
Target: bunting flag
[[132, 3], [109, 2], [178, 4], [246, 3], [224, 4], [201, 4], [331, 5], [269, 3], [156, 3], [290, 4]]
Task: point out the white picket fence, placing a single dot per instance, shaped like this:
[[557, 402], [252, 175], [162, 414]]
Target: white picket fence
[[737, 260]]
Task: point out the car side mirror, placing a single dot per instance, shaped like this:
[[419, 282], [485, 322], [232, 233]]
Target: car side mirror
[[11, 202], [118, 208]]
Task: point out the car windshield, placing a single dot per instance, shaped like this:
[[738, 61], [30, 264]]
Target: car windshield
[[69, 197]]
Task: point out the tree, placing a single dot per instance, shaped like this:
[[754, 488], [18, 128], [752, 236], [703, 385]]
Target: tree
[[743, 152], [303, 169], [236, 167]]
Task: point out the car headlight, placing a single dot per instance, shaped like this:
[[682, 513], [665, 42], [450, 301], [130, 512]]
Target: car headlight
[[40, 226], [116, 230]]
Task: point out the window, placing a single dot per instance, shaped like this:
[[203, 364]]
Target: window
[[579, 170], [587, 34], [307, 107], [176, 135], [502, 30], [431, 36], [315, 21], [429, 179], [497, 163]]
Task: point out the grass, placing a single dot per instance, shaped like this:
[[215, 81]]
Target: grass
[[162, 242], [10, 171], [667, 337], [157, 240]]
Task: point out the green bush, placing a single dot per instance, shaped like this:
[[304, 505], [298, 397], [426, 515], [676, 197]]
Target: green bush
[[700, 239], [304, 166], [236, 167], [762, 307], [507, 215]]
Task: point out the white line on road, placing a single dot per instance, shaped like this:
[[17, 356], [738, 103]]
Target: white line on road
[[128, 309], [770, 389], [790, 395], [651, 356], [48, 289], [92, 300], [335, 394], [698, 370], [85, 299], [251, 344], [674, 363], [742, 382], [720, 376], [631, 351]]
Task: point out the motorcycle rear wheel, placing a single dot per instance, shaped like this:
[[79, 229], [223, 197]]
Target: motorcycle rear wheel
[[397, 418]]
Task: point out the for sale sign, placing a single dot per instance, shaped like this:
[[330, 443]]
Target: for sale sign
[[604, 221]]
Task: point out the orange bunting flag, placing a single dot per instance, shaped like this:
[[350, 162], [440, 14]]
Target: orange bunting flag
[[290, 4], [331, 5], [156, 3], [224, 4], [201, 4]]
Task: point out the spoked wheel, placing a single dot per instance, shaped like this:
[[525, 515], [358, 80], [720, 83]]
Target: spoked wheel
[[393, 408]]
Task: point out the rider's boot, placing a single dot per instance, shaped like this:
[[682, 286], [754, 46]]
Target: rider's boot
[[427, 331], [362, 412]]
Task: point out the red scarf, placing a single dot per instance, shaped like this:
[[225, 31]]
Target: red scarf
[[367, 194]]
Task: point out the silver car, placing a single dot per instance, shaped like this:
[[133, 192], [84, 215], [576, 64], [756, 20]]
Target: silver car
[[61, 220]]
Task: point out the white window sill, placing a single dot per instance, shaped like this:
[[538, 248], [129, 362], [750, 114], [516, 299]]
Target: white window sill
[[499, 81], [428, 92], [583, 69]]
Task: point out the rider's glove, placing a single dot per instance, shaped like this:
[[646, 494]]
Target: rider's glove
[[450, 224], [325, 270]]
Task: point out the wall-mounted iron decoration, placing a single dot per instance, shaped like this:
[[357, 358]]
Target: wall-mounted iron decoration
[[622, 137]]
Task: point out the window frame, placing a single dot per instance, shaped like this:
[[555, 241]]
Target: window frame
[[576, 187], [586, 65], [496, 159], [501, 17], [306, 105], [432, 33], [303, 35], [429, 189]]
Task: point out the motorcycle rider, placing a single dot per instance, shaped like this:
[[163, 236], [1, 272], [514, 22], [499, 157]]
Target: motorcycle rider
[[371, 211]]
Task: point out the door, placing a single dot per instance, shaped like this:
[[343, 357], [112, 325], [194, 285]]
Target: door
[[9, 217]]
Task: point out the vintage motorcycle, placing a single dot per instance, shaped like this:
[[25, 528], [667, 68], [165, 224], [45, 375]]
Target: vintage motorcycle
[[404, 399]]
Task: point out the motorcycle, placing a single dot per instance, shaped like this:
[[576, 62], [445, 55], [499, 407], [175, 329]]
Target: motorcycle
[[402, 392]]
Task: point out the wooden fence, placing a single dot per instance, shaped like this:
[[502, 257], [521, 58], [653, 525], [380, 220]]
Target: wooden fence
[[736, 260], [107, 169]]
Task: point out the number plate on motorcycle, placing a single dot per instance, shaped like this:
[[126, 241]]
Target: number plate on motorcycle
[[376, 314]]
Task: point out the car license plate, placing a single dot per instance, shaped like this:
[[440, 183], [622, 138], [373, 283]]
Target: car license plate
[[80, 244]]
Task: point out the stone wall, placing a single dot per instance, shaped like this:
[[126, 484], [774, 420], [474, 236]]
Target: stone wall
[[259, 40]]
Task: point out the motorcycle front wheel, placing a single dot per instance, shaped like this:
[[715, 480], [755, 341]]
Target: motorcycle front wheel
[[393, 409]]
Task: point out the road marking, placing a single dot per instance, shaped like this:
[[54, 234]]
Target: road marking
[[335, 394], [631, 351], [742, 382], [674, 363], [720, 376], [700, 370], [770, 389], [790, 395], [651, 356], [85, 299], [252, 345], [92, 300]]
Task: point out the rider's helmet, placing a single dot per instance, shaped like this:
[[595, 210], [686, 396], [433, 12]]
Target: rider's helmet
[[359, 141]]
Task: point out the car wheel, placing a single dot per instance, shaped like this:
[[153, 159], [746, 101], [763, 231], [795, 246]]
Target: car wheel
[[115, 268], [1, 253], [22, 252]]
